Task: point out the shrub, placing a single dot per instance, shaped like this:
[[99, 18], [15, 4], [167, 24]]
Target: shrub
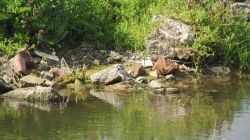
[[221, 32], [9, 48]]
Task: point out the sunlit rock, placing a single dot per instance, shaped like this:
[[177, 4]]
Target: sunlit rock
[[110, 75], [22, 62], [31, 80], [170, 35], [34, 94], [146, 63]]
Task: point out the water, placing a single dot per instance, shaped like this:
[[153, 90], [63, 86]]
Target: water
[[208, 109]]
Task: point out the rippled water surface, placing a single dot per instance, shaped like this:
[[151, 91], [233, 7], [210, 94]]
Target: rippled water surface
[[210, 109]]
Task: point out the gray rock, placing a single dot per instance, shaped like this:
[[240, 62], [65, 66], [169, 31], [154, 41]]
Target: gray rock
[[34, 94], [141, 79], [51, 56], [172, 90], [110, 75], [31, 80], [124, 74], [155, 85], [172, 33], [4, 87], [22, 62]]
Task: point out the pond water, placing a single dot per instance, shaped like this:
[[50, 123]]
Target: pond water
[[208, 109]]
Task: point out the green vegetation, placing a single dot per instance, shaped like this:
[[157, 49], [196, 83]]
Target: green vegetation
[[9, 47], [221, 31]]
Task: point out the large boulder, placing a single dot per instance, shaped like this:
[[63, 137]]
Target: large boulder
[[170, 35], [110, 75], [165, 66], [22, 62], [34, 94], [4, 87]]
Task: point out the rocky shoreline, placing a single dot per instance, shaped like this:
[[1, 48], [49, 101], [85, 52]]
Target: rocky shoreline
[[39, 75], [29, 77]]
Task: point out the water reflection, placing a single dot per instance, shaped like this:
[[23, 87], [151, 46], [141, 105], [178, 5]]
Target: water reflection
[[118, 100], [17, 104], [100, 115], [168, 106]]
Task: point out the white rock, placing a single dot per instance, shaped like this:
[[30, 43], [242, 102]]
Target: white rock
[[45, 55], [155, 84], [141, 79], [146, 63], [170, 77]]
